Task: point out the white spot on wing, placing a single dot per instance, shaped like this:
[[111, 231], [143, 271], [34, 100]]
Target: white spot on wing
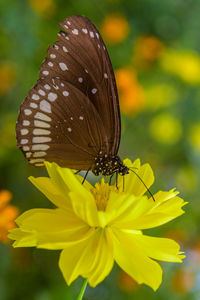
[[97, 35], [41, 92], [40, 147], [50, 64], [33, 105], [24, 141], [39, 154], [35, 97], [39, 131], [75, 31], [105, 75], [33, 161], [28, 154], [45, 72], [45, 106], [47, 87], [92, 34], [63, 66], [94, 91], [52, 96], [52, 55], [42, 117], [24, 131], [81, 118], [26, 123], [41, 139], [69, 129], [84, 30], [65, 49], [27, 112], [41, 124], [80, 79], [26, 148], [66, 93]]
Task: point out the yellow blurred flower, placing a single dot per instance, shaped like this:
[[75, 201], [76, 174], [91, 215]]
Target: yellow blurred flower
[[8, 213], [7, 78], [45, 7], [130, 91], [186, 178], [194, 137], [165, 129], [147, 49], [95, 226], [115, 28], [159, 95], [184, 64]]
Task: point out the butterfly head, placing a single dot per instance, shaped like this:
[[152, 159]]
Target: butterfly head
[[108, 165]]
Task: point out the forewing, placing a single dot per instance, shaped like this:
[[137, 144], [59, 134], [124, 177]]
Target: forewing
[[58, 123], [80, 58]]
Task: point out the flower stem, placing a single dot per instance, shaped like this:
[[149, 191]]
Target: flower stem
[[82, 291]]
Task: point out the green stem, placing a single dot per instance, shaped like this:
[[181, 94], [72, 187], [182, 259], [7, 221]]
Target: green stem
[[82, 291]]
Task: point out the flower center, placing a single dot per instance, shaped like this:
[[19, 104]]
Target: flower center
[[101, 193]]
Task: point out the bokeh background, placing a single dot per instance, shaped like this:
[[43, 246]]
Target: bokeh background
[[155, 50]]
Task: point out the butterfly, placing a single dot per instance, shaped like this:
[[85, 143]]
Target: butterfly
[[72, 115]]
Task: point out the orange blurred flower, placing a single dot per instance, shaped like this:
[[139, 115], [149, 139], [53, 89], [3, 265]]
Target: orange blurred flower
[[147, 50], [126, 283], [8, 213], [130, 91], [7, 77], [183, 281], [45, 7], [115, 28]]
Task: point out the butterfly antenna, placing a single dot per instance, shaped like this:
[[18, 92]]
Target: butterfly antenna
[[143, 184], [110, 180]]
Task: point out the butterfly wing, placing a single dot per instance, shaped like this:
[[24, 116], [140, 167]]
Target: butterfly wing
[[80, 58], [58, 123]]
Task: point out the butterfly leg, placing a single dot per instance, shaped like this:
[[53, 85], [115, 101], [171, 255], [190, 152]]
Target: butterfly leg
[[110, 179], [78, 171], [117, 180], [86, 174]]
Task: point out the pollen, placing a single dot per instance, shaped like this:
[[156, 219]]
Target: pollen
[[101, 193]]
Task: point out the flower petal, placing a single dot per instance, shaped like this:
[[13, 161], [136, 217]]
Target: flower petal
[[133, 261], [52, 228], [133, 184], [149, 213], [160, 248], [91, 258], [50, 190], [84, 207]]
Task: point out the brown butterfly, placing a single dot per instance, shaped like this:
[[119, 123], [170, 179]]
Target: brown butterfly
[[71, 116]]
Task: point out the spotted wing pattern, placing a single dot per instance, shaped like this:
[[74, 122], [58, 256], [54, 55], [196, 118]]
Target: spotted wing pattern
[[72, 113]]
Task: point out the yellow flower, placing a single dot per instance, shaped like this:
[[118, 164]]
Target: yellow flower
[[95, 226], [185, 65], [45, 7], [8, 213], [7, 77], [115, 28], [165, 129]]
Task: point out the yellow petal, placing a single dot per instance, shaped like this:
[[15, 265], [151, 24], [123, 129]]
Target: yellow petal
[[133, 261], [148, 213], [159, 248], [91, 258], [22, 238], [84, 207], [133, 184], [52, 228], [49, 189]]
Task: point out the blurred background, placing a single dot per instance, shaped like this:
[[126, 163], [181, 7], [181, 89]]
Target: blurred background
[[155, 50]]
